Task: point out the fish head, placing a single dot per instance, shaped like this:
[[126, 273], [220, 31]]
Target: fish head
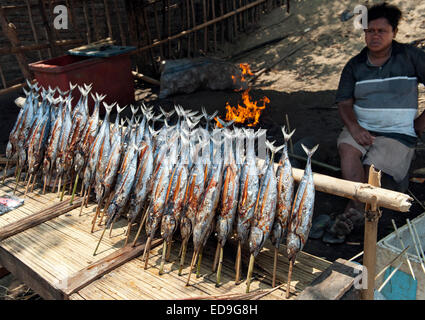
[[293, 245], [256, 240]]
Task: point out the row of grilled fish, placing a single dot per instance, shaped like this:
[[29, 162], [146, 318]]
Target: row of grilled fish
[[187, 177]]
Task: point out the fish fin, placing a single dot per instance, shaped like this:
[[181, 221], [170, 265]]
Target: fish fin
[[119, 110], [287, 136], [224, 123], [311, 151], [108, 107]]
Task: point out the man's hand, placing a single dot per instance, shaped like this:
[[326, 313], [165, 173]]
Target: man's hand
[[361, 135]]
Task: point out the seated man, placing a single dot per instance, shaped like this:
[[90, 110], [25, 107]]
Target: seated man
[[377, 100]]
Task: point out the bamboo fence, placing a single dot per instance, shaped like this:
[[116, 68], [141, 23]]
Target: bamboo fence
[[159, 29]]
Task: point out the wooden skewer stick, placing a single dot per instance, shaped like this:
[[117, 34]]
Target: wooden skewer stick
[[128, 233], [82, 202], [100, 239], [274, 266], [44, 185], [250, 269], [146, 253], [164, 250], [391, 262], [220, 265], [110, 230], [88, 197], [389, 277], [33, 182], [59, 185], [288, 287], [217, 252], [5, 171], [108, 202], [421, 250], [238, 262], [415, 243], [167, 257], [198, 267], [74, 189], [28, 184], [195, 256], [63, 190], [18, 177], [54, 184], [183, 256], [95, 216], [403, 247], [140, 226]]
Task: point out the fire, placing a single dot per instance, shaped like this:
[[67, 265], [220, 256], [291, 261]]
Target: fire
[[250, 111]]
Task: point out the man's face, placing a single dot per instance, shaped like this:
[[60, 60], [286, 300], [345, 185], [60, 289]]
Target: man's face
[[379, 35]]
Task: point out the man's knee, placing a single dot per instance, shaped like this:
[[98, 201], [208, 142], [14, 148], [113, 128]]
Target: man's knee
[[347, 151]]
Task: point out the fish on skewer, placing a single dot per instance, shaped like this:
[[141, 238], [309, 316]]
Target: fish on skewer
[[301, 214], [228, 203], [175, 198], [285, 196], [249, 187], [208, 204], [158, 198], [122, 189], [265, 210]]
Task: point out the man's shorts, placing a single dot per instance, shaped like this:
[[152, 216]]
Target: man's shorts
[[386, 154]]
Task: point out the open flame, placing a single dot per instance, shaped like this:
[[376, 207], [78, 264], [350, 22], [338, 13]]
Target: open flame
[[250, 111]]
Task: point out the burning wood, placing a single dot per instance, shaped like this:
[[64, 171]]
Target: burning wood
[[250, 111]]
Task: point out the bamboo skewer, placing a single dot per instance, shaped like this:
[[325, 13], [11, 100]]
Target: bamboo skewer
[[238, 262], [140, 226], [183, 256], [403, 247], [164, 250], [220, 265], [389, 277], [100, 239], [250, 269], [291, 265], [192, 263], [390, 263], [74, 189], [274, 267], [415, 244], [198, 267]]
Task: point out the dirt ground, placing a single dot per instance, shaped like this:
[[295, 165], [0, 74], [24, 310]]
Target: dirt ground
[[303, 87]]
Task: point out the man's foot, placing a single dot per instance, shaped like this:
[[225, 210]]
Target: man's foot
[[319, 225], [344, 225]]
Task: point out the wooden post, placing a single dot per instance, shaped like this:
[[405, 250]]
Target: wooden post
[[188, 26], [204, 7], [195, 40], [117, 12], [86, 19], [3, 79], [34, 32], [9, 30], [222, 25], [108, 18], [149, 38], [95, 26], [370, 236], [158, 30], [215, 24], [70, 4], [169, 28], [49, 33]]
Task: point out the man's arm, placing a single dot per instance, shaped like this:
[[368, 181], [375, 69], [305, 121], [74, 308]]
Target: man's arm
[[346, 112], [420, 124]]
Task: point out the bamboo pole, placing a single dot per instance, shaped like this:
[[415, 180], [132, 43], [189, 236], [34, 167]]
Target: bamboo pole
[[117, 12], [188, 26], [195, 40], [370, 236], [215, 25], [204, 8], [235, 23], [3, 79], [9, 30], [86, 20], [199, 27], [158, 30], [168, 27], [149, 38], [49, 34], [33, 47], [70, 4], [34, 32], [363, 192], [95, 26], [108, 18]]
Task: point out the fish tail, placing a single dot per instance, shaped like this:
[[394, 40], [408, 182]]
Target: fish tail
[[311, 151], [109, 107], [287, 136], [119, 110]]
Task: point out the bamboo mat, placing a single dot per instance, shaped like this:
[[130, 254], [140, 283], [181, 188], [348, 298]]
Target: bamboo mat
[[58, 248]]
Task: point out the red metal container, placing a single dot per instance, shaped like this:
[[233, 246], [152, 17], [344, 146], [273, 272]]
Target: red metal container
[[111, 76]]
